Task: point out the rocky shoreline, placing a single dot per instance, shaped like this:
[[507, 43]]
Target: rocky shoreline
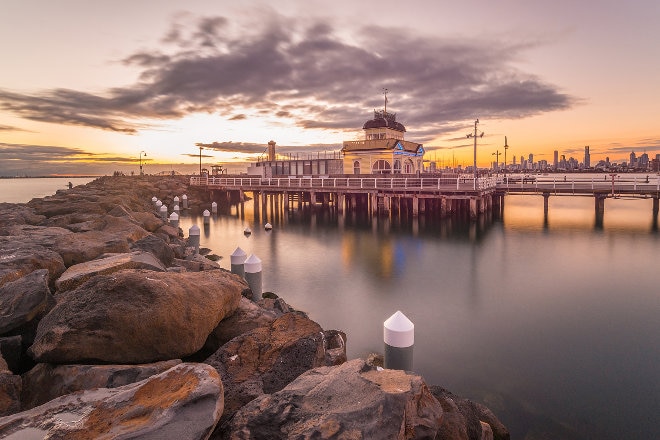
[[112, 327]]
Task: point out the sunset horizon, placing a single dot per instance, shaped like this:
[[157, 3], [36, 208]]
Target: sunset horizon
[[91, 87]]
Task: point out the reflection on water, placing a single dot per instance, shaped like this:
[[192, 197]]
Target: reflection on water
[[552, 321]]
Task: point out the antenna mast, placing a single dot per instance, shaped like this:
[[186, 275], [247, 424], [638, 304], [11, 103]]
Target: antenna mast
[[385, 93]]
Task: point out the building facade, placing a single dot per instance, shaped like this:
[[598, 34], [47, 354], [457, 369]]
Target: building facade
[[384, 149]]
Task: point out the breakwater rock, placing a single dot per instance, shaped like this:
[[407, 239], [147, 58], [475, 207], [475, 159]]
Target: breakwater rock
[[112, 327]]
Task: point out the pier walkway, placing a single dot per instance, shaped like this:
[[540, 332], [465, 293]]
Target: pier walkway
[[445, 195]]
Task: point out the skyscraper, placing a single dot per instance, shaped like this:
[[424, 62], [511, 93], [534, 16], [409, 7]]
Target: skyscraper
[[587, 157], [556, 160]]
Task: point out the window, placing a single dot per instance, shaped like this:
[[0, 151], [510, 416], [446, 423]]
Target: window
[[397, 166], [381, 167], [356, 167]]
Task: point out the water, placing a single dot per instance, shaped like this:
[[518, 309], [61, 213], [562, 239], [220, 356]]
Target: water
[[23, 190], [554, 325]]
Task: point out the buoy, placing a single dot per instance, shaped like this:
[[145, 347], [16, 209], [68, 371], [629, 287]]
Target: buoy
[[268, 226], [247, 231]]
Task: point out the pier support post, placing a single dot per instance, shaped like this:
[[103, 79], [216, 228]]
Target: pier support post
[[253, 276], [655, 213], [474, 213], [312, 199], [286, 201], [238, 258], [341, 199], [600, 210], [399, 338], [415, 206]]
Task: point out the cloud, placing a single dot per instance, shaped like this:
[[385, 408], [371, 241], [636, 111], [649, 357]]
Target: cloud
[[302, 71], [254, 148]]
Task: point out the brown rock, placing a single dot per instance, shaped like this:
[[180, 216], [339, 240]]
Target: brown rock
[[75, 275], [351, 401], [23, 300], [136, 316], [20, 256], [157, 247], [114, 237], [184, 402], [10, 393], [45, 382], [266, 359]]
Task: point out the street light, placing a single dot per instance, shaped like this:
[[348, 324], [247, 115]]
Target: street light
[[506, 147], [471, 135], [145, 155], [497, 160]]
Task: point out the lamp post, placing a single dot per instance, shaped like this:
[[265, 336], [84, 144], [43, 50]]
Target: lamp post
[[145, 155], [474, 135], [497, 160], [506, 147], [200, 160]]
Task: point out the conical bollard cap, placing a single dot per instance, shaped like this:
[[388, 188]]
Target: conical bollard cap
[[399, 331], [252, 264], [238, 256]]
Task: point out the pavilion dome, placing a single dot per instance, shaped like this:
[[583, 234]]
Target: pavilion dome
[[383, 119]]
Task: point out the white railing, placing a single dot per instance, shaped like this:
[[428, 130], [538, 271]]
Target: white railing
[[466, 183], [618, 183]]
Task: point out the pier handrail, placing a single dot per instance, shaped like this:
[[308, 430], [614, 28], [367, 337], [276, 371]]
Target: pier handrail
[[364, 183]]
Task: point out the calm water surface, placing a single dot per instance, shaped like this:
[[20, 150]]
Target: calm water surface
[[23, 190], [553, 324]]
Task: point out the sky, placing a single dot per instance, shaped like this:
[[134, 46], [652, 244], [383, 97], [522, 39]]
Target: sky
[[90, 87]]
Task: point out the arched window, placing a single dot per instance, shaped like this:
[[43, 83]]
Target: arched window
[[397, 166], [408, 167], [356, 167], [381, 167]]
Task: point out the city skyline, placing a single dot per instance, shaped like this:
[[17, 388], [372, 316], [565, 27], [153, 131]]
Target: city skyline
[[90, 86]]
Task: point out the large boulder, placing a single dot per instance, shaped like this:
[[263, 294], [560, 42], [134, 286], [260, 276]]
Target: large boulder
[[136, 316], [10, 392], [184, 402], [23, 300], [10, 350], [20, 256], [45, 382], [472, 420], [17, 214], [352, 401], [75, 275], [266, 359], [114, 236], [157, 247]]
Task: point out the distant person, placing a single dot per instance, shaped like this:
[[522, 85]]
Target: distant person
[[70, 185]]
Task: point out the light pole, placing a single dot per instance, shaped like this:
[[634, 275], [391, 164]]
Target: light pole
[[145, 155], [200, 160], [497, 160], [474, 135], [506, 147]]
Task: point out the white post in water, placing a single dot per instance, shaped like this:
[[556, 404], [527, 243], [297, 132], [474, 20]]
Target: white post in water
[[253, 276], [176, 209], [238, 258], [158, 205], [207, 216], [193, 237], [184, 200], [214, 208], [154, 199], [174, 220], [163, 212], [399, 337]]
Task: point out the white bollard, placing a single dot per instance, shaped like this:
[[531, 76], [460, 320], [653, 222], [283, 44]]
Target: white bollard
[[214, 208], [158, 205], [253, 276], [176, 200], [163, 212], [174, 220], [184, 200], [176, 209], [154, 199], [399, 338], [193, 237], [207, 216], [238, 258]]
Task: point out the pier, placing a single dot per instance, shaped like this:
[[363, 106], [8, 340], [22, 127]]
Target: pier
[[390, 195], [445, 196]]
